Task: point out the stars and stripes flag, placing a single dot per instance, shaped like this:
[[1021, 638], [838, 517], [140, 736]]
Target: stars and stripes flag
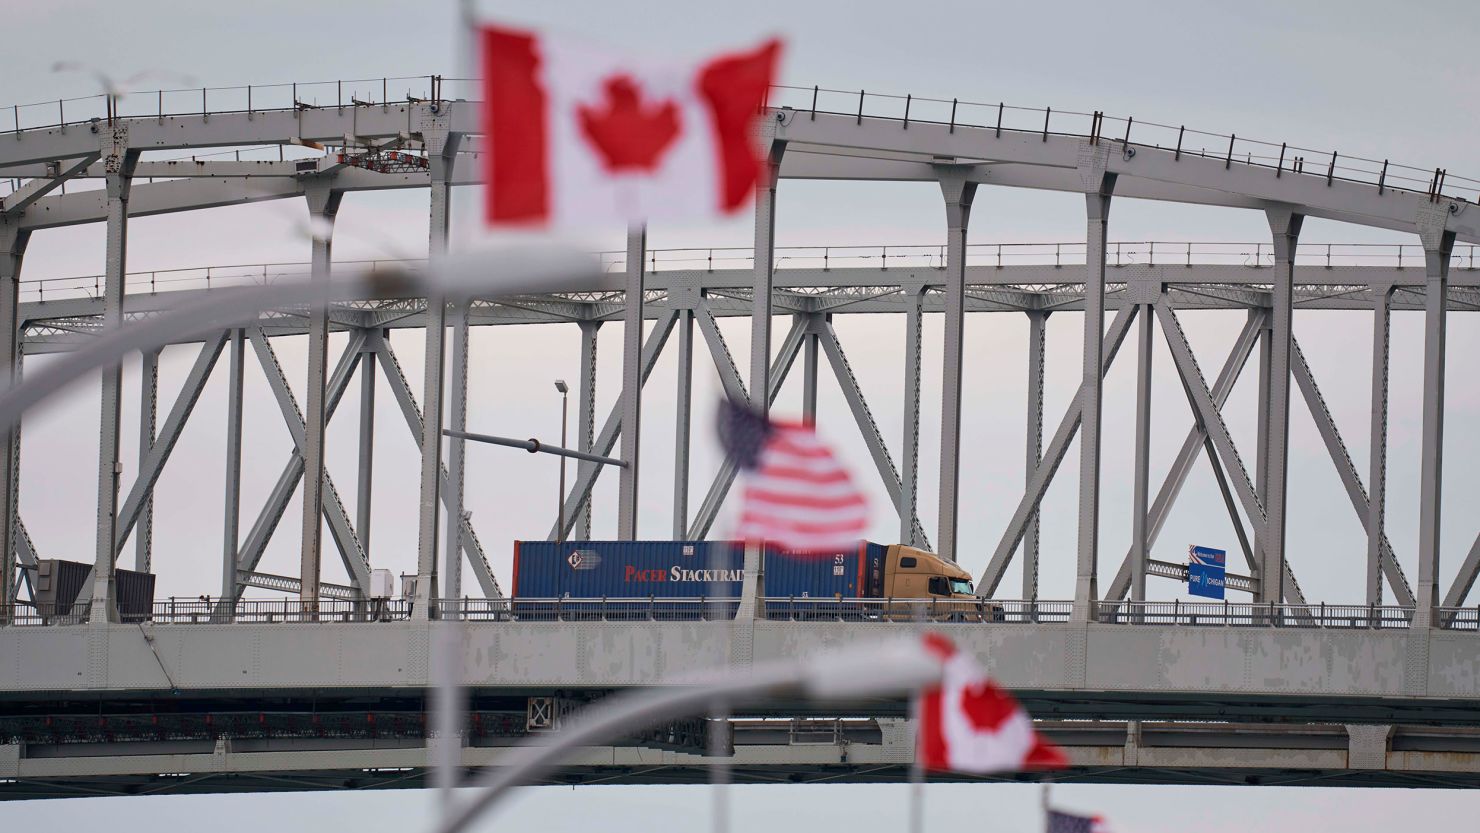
[[968, 724], [1061, 822], [796, 494], [580, 136]]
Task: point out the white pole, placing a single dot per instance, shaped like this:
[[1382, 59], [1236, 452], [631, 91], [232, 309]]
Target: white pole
[[917, 776]]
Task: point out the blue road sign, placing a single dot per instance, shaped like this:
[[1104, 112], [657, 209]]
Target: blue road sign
[[1205, 568]]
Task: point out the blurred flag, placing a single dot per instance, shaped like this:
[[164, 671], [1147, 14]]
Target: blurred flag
[[797, 495], [582, 137], [1070, 823], [968, 724]]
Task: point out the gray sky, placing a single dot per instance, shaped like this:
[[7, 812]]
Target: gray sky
[[1365, 81]]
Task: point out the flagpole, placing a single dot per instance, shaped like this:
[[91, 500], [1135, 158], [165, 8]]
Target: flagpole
[[917, 775], [1044, 797], [917, 770], [719, 715]]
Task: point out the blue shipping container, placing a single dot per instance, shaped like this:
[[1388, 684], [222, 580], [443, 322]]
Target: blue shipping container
[[686, 569]]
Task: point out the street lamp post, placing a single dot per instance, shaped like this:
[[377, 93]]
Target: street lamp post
[[564, 389]]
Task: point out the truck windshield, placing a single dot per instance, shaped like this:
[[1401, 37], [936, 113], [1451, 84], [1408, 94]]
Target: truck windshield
[[961, 585]]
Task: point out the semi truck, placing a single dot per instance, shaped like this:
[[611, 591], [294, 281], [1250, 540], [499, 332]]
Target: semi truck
[[694, 579]]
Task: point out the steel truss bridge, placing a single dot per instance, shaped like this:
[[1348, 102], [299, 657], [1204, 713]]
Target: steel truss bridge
[[324, 689]]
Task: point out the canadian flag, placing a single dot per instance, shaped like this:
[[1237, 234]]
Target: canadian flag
[[968, 724], [582, 138]]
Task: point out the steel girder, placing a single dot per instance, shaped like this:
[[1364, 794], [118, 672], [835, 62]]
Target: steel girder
[[832, 147], [719, 488], [1043, 474], [331, 508], [401, 390], [824, 145], [795, 751]]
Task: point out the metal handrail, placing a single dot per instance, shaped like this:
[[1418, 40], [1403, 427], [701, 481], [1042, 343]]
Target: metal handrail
[[204, 610], [1123, 253], [998, 117]]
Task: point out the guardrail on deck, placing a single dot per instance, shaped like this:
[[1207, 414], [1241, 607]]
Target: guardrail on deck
[[288, 610]]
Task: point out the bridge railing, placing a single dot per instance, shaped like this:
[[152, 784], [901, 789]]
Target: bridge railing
[[613, 609], [1229, 614], [884, 257], [1125, 132], [805, 102], [1458, 618], [197, 101], [291, 610], [941, 610], [1256, 255]]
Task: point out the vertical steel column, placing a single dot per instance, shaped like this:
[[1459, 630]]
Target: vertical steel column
[[119, 168], [631, 383], [809, 378], [364, 492], [1382, 304], [909, 473], [765, 271], [458, 419], [958, 193], [12, 250], [148, 415], [323, 206], [1097, 213], [1431, 476], [753, 585], [1261, 442], [1140, 505], [682, 422], [232, 526], [1037, 352], [442, 155], [1284, 224], [587, 417]]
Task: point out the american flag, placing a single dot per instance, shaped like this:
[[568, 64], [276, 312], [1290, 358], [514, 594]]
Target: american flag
[[1071, 823], [797, 495]]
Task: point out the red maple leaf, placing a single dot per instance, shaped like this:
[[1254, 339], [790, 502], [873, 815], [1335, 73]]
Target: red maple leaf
[[987, 706], [627, 134]]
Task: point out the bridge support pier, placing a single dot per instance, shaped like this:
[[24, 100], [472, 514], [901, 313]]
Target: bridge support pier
[[586, 408], [1140, 541], [958, 192], [456, 450], [1382, 301], [1437, 245], [682, 422], [1284, 225], [366, 471], [442, 155], [13, 242], [632, 378], [909, 463], [232, 523], [323, 206], [148, 413], [1367, 746], [809, 377], [1099, 185], [1261, 447], [1037, 353], [120, 165]]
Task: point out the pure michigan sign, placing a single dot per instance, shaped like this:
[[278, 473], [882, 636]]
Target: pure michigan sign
[[1205, 571]]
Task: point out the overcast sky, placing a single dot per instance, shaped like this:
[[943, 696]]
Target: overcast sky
[[1370, 79]]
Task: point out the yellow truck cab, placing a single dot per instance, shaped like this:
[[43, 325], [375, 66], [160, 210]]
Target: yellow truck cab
[[930, 582], [915, 574]]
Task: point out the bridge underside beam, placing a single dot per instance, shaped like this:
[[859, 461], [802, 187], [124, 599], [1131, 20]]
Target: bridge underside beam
[[851, 751]]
